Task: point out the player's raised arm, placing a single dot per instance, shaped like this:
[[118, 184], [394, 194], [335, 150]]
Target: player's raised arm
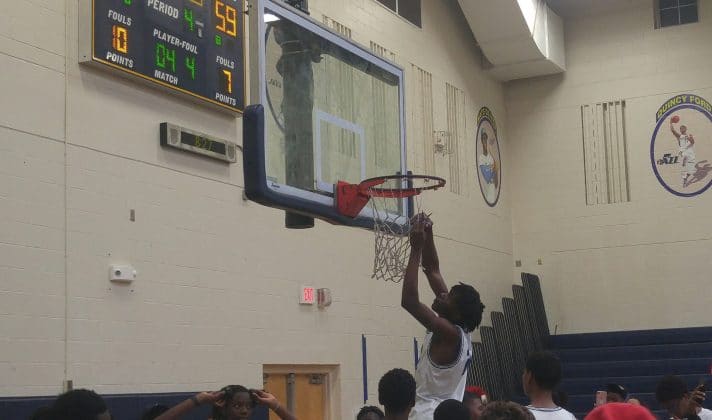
[[431, 262], [183, 408], [410, 300], [674, 132]]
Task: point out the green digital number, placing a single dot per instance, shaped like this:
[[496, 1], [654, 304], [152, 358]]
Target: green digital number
[[165, 57], [128, 2], [188, 17], [190, 65]]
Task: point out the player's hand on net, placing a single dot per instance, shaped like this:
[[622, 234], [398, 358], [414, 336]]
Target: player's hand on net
[[427, 224], [417, 230]]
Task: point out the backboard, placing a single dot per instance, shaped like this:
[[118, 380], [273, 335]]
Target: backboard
[[329, 110]]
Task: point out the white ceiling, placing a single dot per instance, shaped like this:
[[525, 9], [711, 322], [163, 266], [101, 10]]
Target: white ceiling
[[578, 8]]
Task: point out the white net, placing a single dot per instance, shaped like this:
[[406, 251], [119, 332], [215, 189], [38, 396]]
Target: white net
[[392, 242]]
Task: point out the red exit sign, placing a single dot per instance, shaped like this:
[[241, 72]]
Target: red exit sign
[[307, 296]]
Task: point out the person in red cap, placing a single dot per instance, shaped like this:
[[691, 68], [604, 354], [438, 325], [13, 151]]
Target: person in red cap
[[617, 411], [474, 399]]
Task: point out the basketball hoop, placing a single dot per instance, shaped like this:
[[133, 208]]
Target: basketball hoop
[[391, 224]]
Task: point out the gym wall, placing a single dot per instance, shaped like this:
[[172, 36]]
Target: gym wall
[[635, 264], [216, 295]]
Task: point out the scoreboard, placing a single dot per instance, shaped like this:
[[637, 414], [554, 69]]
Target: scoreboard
[[195, 47]]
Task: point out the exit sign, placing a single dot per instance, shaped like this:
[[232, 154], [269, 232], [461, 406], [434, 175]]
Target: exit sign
[[307, 296]]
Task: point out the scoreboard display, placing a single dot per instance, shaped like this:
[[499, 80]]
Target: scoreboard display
[[195, 47]]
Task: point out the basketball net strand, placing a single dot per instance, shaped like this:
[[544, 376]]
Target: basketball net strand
[[392, 241]]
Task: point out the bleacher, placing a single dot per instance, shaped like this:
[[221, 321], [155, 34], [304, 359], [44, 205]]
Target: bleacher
[[634, 359]]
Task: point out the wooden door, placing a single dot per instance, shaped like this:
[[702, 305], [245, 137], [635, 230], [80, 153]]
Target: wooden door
[[309, 391]]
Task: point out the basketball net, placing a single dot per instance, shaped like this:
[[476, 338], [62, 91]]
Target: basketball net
[[392, 239]]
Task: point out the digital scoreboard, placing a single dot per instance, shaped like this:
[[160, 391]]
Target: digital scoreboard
[[195, 47]]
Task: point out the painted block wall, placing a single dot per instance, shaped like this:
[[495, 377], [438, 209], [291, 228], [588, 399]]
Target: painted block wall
[[636, 265], [216, 294]]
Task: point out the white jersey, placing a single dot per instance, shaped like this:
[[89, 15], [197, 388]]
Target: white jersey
[[557, 413], [704, 414], [485, 165], [684, 142], [435, 384]]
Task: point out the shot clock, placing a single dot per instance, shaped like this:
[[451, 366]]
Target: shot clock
[[195, 47]]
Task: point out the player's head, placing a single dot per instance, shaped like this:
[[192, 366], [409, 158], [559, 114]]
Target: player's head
[[615, 393], [237, 404], [80, 404], [483, 139], [396, 391], [504, 410], [669, 392], [451, 410], [683, 129], [542, 372], [370, 412], [473, 401], [461, 306]]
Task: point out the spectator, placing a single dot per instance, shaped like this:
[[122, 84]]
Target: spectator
[[620, 411], [233, 402], [79, 404], [396, 393], [451, 410], [370, 412], [541, 376], [616, 393], [474, 399], [673, 396], [504, 410]]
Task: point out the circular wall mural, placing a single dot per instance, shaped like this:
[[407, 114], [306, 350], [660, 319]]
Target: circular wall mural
[[489, 163], [681, 145]]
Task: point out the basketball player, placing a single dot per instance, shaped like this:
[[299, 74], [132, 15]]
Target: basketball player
[[447, 348], [685, 142], [488, 167]]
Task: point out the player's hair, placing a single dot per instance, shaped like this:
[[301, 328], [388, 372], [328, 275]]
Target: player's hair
[[504, 410], [370, 409], [396, 390], [545, 367], [451, 410], [670, 388], [78, 404], [229, 393], [468, 303]]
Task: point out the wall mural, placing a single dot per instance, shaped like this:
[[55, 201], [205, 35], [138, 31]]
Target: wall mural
[[489, 163], [681, 146]]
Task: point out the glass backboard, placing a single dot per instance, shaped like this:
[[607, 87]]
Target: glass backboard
[[330, 111]]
